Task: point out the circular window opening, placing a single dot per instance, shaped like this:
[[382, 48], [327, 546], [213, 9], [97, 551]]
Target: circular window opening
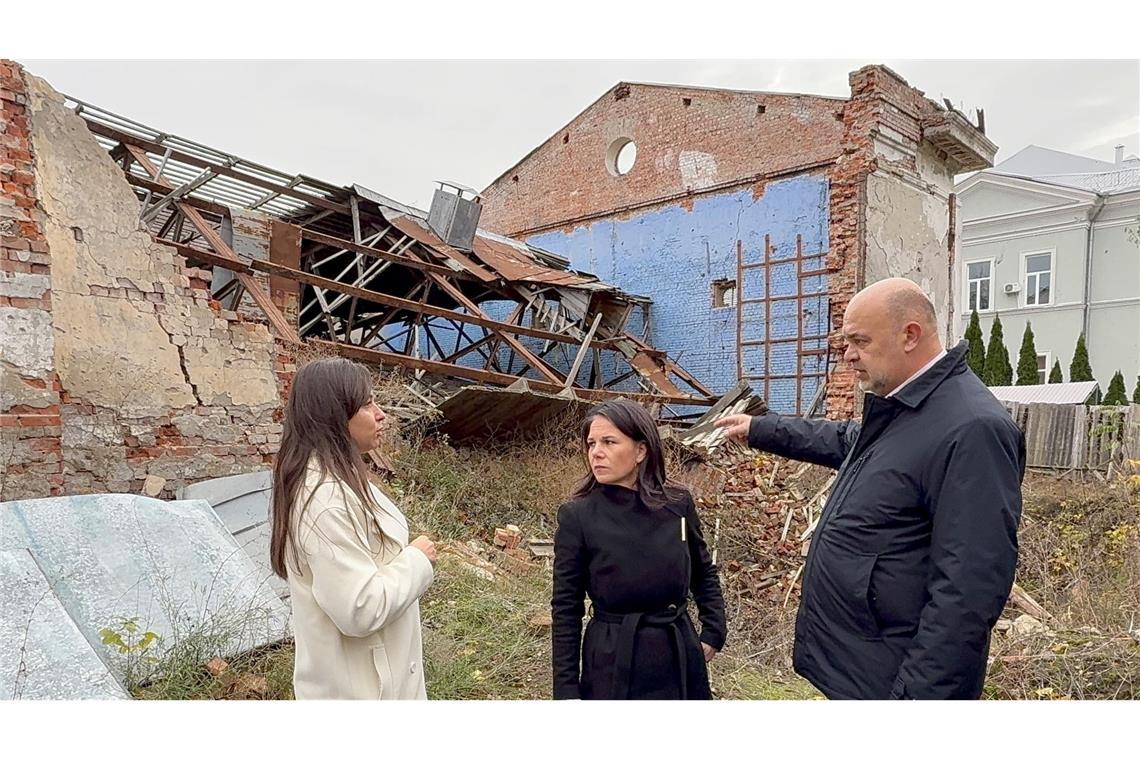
[[621, 156]]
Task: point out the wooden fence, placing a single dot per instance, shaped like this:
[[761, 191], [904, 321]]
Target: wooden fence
[[1077, 437]]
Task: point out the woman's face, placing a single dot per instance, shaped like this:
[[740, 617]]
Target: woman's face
[[365, 426], [613, 456]]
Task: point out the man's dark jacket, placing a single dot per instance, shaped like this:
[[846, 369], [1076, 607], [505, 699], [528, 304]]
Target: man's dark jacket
[[914, 554]]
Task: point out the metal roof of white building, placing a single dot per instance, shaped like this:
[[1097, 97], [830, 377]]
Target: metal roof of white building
[[1053, 393]]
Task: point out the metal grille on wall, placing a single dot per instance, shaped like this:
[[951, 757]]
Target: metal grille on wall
[[782, 325]]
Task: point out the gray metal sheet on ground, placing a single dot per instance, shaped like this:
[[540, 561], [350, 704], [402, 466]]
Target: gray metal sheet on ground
[[242, 502], [171, 565], [43, 655]]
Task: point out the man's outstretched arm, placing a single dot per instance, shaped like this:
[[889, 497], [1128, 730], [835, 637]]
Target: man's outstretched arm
[[824, 442]]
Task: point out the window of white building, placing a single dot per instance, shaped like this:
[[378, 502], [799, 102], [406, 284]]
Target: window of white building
[[979, 285], [1038, 279]]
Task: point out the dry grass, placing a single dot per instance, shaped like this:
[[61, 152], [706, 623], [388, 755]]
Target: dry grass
[[1080, 559], [466, 492]]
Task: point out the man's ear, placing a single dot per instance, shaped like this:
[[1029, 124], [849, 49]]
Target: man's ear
[[913, 334]]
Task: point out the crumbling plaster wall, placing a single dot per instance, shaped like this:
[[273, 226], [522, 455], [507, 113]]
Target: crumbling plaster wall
[[908, 216], [890, 210], [908, 235], [154, 377]]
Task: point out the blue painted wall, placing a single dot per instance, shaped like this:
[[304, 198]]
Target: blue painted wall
[[673, 255]]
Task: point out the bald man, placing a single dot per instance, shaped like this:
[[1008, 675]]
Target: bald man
[[913, 556]]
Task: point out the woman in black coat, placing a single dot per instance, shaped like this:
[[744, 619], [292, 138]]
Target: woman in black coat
[[634, 545]]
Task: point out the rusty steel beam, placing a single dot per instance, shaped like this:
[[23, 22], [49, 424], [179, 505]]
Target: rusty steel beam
[[276, 318], [373, 356], [206, 257], [543, 368], [396, 302], [475, 346], [216, 209], [395, 258]]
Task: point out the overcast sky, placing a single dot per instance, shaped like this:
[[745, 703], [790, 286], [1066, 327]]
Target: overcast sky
[[396, 126]]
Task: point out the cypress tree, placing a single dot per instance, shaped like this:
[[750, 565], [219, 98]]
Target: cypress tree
[[1027, 359], [976, 355], [998, 370], [1116, 395], [1055, 376], [1079, 369]]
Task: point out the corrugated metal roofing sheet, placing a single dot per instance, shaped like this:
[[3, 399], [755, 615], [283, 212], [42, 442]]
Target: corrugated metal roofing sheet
[[482, 412], [1053, 393], [494, 256]]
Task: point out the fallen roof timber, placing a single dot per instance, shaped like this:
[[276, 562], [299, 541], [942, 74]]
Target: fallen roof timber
[[402, 260], [373, 356], [416, 306], [276, 318]]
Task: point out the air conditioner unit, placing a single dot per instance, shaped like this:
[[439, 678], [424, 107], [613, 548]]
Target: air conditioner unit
[[1011, 288]]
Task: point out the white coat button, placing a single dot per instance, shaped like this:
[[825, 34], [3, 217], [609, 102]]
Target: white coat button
[[413, 668]]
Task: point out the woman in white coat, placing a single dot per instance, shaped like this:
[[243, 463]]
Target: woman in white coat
[[354, 579]]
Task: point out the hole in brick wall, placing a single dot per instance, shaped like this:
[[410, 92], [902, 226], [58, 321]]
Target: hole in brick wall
[[78, 233], [760, 110], [621, 156], [723, 293], [515, 178], [621, 92], [565, 139], [839, 116], [686, 102]]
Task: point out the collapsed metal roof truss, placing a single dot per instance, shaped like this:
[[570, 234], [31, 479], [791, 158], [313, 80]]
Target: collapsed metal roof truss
[[377, 284]]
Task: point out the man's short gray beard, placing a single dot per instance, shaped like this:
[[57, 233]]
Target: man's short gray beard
[[865, 386]]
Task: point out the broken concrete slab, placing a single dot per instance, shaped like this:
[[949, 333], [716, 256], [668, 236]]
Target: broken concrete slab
[[44, 655], [242, 503], [171, 566]]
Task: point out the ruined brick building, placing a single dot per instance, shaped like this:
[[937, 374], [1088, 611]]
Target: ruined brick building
[[154, 292], [750, 218]]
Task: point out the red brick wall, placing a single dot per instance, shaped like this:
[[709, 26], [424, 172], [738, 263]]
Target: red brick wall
[[54, 439], [566, 180], [30, 444], [880, 99]]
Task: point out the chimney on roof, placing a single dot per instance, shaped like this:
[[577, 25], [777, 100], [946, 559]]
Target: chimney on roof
[[1119, 154], [453, 217]]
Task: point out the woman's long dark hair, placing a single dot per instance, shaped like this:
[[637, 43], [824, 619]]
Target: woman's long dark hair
[[326, 394], [633, 421]]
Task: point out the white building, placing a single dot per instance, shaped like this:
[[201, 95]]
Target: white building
[[1053, 239]]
